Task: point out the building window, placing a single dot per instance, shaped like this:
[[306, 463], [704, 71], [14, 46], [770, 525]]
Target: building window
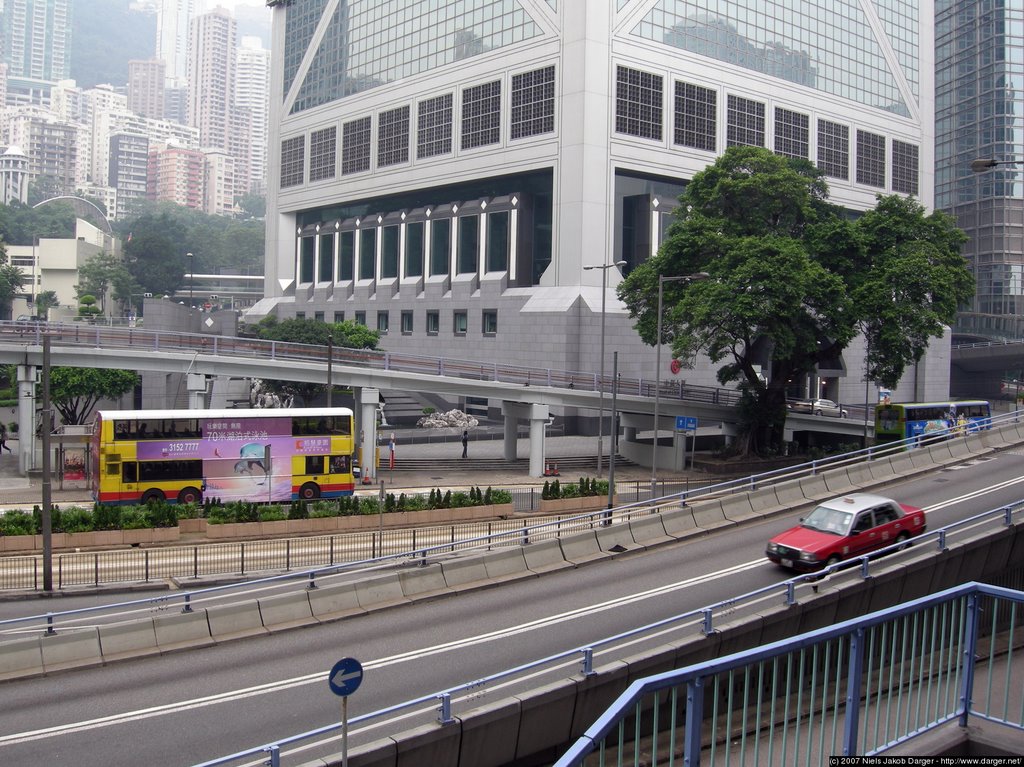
[[696, 117], [533, 102], [367, 254], [414, 249], [307, 251], [406, 323], [339, 316], [346, 251], [355, 146], [904, 168], [361, 318], [490, 322], [382, 322], [792, 134], [323, 152], [292, 161], [870, 159], [460, 323], [497, 242], [638, 103], [744, 122], [433, 323], [481, 115], [434, 126], [325, 266], [318, 316], [833, 149], [389, 252], [440, 245], [467, 260], [393, 137]]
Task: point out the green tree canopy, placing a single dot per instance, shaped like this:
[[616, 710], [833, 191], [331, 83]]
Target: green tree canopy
[[346, 334], [791, 280], [75, 392], [22, 225]]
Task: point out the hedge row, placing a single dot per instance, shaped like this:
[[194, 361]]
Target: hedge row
[[77, 519], [585, 488]]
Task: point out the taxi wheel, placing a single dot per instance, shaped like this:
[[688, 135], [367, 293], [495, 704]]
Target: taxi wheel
[[903, 538]]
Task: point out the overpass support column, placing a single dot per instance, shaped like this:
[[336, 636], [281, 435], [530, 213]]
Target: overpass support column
[[369, 400], [509, 440], [26, 418], [538, 417], [196, 391]]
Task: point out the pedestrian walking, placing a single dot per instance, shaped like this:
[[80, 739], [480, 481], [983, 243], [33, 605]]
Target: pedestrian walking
[[465, 443], [3, 439]]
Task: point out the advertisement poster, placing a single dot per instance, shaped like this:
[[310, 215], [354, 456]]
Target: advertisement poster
[[74, 463], [242, 461]]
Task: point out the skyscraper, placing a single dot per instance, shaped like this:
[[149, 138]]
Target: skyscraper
[[458, 165], [146, 81], [36, 38], [252, 95], [172, 29], [979, 114]]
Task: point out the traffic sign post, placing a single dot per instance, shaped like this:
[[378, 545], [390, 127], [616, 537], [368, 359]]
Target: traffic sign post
[[345, 677], [685, 424]]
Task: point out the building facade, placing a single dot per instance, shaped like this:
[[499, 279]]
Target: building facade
[[36, 38], [446, 172], [146, 88], [978, 114]]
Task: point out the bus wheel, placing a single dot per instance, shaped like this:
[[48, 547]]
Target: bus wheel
[[309, 491], [189, 495], [152, 496]]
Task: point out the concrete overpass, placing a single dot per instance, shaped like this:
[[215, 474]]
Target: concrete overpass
[[525, 393], [978, 369]]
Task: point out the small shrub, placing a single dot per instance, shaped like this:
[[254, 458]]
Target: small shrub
[[298, 510], [106, 517], [17, 522], [459, 500], [162, 514], [76, 520], [135, 518], [365, 506], [190, 510], [272, 514], [499, 496], [220, 515]]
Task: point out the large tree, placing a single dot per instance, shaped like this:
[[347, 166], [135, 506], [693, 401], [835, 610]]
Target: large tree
[[792, 279], [75, 392], [346, 334]]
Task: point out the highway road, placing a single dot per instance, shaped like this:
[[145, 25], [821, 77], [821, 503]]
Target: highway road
[[185, 708]]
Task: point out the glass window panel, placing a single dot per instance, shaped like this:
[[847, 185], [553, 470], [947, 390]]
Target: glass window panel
[[497, 241], [440, 245], [346, 251], [292, 161], [307, 250], [367, 254], [533, 103], [696, 116], [325, 270], [323, 150], [638, 103], [389, 252], [469, 245], [414, 249]]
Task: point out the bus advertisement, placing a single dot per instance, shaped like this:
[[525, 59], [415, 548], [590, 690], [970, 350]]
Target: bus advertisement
[[898, 421], [268, 455]]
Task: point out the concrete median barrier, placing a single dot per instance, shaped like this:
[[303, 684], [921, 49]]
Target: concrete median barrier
[[615, 538], [545, 718], [582, 547], [923, 460], [881, 469], [709, 515], [490, 734], [838, 481], [71, 648], [505, 565], [649, 531], [21, 657], [465, 573], [430, 744], [737, 508], [380, 592], [595, 693], [764, 500], [545, 556], [286, 611], [903, 463], [178, 631], [379, 753], [814, 488], [680, 523], [860, 476], [235, 621], [423, 582], [330, 603], [789, 494], [959, 448], [128, 639]]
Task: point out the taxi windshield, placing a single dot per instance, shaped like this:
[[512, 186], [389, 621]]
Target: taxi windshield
[[828, 520]]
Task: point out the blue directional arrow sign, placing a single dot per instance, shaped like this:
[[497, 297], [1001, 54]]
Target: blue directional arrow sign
[[345, 677], [686, 423]]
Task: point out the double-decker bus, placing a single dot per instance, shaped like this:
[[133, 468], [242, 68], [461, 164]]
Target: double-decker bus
[[181, 456], [898, 421]]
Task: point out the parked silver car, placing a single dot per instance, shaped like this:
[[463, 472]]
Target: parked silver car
[[818, 407]]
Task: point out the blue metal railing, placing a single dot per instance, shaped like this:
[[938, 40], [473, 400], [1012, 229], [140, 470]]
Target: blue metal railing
[[859, 687]]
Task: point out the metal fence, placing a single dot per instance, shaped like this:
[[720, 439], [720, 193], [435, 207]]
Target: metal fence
[[859, 687]]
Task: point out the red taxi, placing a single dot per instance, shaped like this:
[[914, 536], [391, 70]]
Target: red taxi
[[842, 528]]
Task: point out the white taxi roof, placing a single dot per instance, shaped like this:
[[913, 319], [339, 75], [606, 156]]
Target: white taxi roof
[[855, 502]]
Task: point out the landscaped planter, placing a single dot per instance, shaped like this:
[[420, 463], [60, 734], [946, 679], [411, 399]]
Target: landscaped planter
[[91, 540], [574, 505], [189, 526]]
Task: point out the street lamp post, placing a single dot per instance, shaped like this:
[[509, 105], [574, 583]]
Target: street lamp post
[[190, 281], [604, 292], [657, 369]]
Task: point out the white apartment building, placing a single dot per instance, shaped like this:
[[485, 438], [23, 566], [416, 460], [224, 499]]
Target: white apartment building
[[445, 172], [252, 96]]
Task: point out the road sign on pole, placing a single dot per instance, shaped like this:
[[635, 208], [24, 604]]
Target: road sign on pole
[[344, 679], [686, 423]]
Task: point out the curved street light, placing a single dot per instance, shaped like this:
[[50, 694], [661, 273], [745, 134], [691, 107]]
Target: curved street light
[[662, 279]]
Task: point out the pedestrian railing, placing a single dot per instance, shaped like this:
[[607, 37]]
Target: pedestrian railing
[[856, 688]]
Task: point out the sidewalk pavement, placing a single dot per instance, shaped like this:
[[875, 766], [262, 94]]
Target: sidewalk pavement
[[451, 471]]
